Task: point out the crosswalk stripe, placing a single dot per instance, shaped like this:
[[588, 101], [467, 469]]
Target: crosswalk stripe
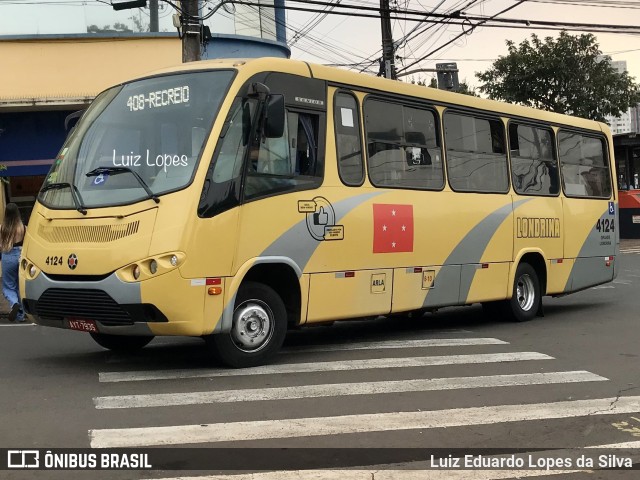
[[630, 250], [342, 389], [372, 363], [393, 344], [378, 422]]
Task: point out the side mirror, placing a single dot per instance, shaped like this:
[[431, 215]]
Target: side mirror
[[274, 116]]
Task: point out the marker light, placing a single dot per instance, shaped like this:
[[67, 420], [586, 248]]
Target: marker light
[[136, 272], [153, 266]]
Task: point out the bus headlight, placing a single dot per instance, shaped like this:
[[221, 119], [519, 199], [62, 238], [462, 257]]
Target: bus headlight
[[24, 263], [33, 271], [150, 267]]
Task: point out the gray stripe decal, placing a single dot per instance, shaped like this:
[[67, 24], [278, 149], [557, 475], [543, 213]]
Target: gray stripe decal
[[468, 251], [585, 270], [298, 244]]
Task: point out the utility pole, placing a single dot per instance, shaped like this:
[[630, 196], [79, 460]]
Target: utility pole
[[188, 23], [153, 16], [190, 31], [388, 64]]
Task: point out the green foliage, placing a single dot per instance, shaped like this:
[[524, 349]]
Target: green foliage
[[564, 75], [463, 88], [116, 28]]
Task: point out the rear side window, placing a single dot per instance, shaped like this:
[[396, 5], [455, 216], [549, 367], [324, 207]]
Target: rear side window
[[585, 169], [403, 146], [476, 155], [348, 142], [534, 169]]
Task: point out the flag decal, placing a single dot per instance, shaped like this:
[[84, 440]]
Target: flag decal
[[392, 228]]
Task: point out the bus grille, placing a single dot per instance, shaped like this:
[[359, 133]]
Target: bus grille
[[87, 233], [79, 303]]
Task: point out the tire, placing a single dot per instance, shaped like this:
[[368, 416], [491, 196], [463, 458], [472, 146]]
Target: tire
[[258, 329], [526, 298], [121, 343]]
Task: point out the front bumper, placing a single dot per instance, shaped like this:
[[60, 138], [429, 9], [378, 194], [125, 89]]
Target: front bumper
[[114, 305]]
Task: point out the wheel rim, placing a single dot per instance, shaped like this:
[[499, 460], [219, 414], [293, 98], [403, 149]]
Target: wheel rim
[[253, 326], [525, 292]]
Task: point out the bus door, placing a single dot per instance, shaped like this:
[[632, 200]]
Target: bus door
[[538, 213], [589, 209]]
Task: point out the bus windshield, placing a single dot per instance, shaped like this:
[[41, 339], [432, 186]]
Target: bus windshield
[[137, 141]]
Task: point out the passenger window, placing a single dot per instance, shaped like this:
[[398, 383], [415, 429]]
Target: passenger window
[[288, 162], [476, 155], [585, 169], [534, 169], [348, 142], [403, 146]]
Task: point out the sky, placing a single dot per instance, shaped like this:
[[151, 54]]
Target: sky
[[355, 42]]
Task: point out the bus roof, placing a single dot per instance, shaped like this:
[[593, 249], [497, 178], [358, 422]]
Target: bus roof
[[383, 85]]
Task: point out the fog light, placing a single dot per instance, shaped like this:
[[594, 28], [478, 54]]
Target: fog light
[[174, 260], [136, 272], [153, 267], [32, 271]]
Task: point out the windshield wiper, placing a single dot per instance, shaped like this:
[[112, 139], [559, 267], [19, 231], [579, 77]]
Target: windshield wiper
[[75, 194], [116, 170]]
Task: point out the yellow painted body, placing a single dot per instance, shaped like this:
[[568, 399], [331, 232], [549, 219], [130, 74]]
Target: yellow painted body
[[341, 278]]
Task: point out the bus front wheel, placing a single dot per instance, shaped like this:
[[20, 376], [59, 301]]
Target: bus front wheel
[[258, 329], [121, 343], [525, 301]]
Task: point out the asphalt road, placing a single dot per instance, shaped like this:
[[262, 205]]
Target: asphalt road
[[455, 381]]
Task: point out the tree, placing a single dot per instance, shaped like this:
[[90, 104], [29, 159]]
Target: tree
[[463, 88], [568, 75], [117, 28]]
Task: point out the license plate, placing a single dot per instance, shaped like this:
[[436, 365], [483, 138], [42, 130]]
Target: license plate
[[83, 325]]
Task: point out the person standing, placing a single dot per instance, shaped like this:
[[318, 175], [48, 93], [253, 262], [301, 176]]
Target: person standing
[[11, 236]]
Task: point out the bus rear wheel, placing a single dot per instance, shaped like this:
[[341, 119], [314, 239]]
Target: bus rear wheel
[[526, 298], [258, 329], [121, 343]]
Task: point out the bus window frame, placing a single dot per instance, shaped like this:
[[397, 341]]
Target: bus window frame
[[470, 112], [554, 146], [606, 154], [417, 103], [359, 111], [320, 157]]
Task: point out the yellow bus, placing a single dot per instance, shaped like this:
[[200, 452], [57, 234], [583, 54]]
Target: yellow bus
[[234, 199]]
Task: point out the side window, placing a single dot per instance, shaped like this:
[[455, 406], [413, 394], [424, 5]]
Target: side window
[[585, 169], [348, 142], [534, 170], [403, 146], [476, 155], [288, 162]]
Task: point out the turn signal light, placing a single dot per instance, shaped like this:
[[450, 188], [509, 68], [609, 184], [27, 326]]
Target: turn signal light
[[214, 290]]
